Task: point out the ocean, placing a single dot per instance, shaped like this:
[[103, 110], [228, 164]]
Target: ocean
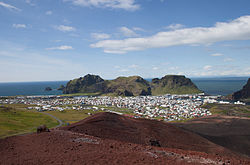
[[220, 86], [30, 88], [211, 86]]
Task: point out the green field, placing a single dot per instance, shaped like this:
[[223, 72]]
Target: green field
[[72, 116], [229, 109], [81, 94], [116, 109], [15, 119]]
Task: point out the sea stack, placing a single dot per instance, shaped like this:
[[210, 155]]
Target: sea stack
[[48, 89]]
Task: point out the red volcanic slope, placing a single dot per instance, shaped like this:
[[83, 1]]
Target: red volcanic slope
[[66, 147], [115, 140], [141, 131]]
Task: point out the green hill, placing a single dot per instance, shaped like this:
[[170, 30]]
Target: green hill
[[131, 86], [86, 84], [128, 86], [173, 84]]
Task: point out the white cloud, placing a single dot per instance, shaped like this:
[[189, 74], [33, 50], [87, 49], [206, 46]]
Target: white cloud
[[138, 29], [63, 47], [19, 26], [133, 66], [57, 41], [8, 6], [129, 5], [117, 67], [100, 36], [64, 28], [174, 68], [228, 59], [48, 12], [207, 67], [30, 2], [127, 32], [123, 70], [155, 68], [216, 54], [238, 29], [222, 70], [25, 67], [175, 26]]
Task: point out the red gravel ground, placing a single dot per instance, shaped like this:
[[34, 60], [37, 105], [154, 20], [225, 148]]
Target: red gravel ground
[[107, 138], [228, 131]]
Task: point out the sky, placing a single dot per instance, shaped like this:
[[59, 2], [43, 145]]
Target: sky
[[50, 40]]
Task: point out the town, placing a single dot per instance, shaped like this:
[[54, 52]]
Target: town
[[166, 107]]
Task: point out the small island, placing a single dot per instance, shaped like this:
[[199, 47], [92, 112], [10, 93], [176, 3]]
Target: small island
[[48, 89], [61, 88]]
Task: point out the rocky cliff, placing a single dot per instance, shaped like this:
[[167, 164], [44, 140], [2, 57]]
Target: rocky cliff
[[128, 86], [173, 84], [244, 93], [86, 84], [131, 86]]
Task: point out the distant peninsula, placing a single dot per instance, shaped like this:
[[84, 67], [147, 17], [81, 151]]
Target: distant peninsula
[[131, 86]]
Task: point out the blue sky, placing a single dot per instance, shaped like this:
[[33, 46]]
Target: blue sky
[[46, 40]]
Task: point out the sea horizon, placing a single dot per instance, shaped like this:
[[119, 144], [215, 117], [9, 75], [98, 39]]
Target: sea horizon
[[147, 78], [210, 85]]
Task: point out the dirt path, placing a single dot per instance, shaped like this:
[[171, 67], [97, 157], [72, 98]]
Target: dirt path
[[59, 120]]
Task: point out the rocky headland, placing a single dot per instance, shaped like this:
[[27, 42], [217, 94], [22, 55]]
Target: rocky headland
[[131, 86], [244, 93]]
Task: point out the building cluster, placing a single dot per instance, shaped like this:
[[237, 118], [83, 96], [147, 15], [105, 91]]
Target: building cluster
[[167, 107]]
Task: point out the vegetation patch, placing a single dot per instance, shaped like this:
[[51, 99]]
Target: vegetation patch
[[82, 94], [14, 121], [229, 109], [131, 86], [72, 116]]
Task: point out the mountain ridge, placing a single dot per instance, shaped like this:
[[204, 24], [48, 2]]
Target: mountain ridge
[[132, 86]]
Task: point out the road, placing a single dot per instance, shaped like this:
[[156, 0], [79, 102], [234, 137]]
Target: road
[[60, 121]]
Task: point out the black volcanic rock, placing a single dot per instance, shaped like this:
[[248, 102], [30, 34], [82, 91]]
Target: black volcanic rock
[[173, 84], [155, 81], [86, 84], [61, 88], [48, 89], [244, 93]]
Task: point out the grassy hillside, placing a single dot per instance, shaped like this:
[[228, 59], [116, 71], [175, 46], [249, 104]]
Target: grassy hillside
[[81, 94], [128, 86], [229, 109], [173, 84], [179, 90], [131, 86], [15, 120], [72, 116]]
